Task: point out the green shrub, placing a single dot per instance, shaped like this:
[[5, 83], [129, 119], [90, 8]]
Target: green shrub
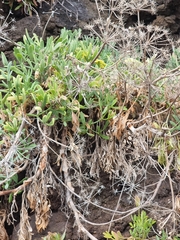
[[141, 225], [56, 79]]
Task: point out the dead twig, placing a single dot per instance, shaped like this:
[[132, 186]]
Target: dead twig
[[18, 189]]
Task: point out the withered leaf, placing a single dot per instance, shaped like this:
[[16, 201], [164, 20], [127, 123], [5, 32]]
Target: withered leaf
[[75, 122], [42, 216], [3, 233], [119, 124]]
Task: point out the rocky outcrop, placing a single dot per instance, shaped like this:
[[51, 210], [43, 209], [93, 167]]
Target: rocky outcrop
[[75, 14], [168, 15]]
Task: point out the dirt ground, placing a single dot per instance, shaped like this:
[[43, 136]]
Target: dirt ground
[[108, 192], [61, 220]]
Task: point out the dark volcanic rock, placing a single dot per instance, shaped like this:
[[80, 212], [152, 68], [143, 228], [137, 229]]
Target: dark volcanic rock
[[75, 14]]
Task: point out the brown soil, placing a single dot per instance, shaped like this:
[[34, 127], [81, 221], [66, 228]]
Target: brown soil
[[107, 198]]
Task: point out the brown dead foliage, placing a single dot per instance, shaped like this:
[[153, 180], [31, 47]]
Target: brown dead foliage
[[37, 192], [42, 215], [3, 233], [119, 124], [177, 203], [38, 202], [75, 122], [25, 231]]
